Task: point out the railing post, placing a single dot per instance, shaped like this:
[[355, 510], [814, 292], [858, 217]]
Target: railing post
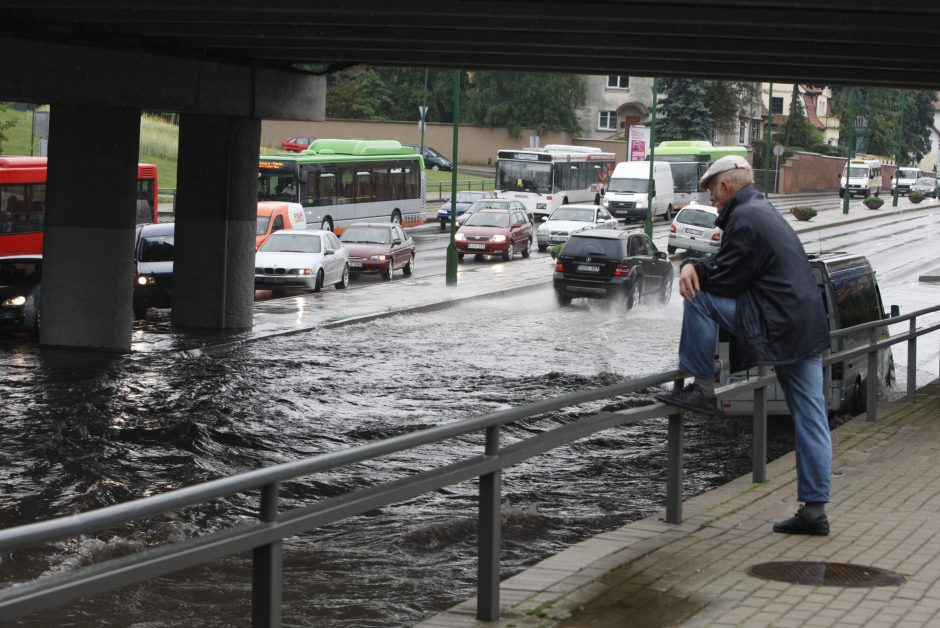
[[490, 519], [266, 569], [912, 361], [759, 447], [674, 450], [871, 393]]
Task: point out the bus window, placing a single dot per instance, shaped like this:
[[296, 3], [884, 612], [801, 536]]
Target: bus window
[[380, 184], [363, 186]]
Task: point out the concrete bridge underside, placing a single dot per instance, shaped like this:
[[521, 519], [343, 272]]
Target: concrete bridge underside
[[224, 68]]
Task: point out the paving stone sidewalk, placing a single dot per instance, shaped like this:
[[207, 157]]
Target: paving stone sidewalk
[[885, 513]]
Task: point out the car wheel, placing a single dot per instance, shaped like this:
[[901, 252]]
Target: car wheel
[[669, 214], [890, 378], [344, 280], [389, 271], [633, 297], [542, 247], [666, 293], [510, 251], [327, 224], [140, 311], [318, 284], [670, 249], [563, 299], [435, 167], [396, 217], [460, 256], [525, 251], [410, 266], [443, 226], [37, 325]]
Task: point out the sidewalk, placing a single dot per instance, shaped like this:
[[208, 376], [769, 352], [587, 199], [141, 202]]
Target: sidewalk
[[885, 509]]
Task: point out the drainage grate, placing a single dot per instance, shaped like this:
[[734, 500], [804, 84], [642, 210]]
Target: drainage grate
[[827, 574]]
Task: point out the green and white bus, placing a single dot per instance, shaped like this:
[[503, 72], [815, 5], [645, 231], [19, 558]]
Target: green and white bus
[[689, 159], [340, 182]]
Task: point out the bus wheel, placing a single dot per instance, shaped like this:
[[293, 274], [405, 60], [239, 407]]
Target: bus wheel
[[327, 224], [396, 217], [564, 201], [669, 213]]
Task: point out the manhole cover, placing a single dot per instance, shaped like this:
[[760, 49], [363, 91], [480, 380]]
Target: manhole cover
[[827, 574]]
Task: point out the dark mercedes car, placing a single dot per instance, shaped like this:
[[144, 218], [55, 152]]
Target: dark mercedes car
[[19, 293], [153, 253], [608, 264]]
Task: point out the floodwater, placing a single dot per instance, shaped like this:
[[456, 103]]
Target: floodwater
[[83, 431]]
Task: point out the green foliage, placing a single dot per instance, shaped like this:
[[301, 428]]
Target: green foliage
[[915, 196], [798, 131], [880, 108], [158, 138], [685, 113], [873, 202], [803, 212], [554, 250], [5, 124], [725, 100]]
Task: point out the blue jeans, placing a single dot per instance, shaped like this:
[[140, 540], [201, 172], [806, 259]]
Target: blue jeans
[[802, 384]]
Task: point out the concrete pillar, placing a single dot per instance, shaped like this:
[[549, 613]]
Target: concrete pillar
[[88, 250], [216, 213]]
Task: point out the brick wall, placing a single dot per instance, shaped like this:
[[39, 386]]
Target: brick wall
[[809, 172]]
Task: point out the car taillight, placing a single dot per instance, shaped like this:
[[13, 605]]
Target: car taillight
[[559, 267], [837, 371], [716, 236], [672, 228], [621, 270]]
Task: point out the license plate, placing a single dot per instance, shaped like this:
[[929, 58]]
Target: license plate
[[588, 268], [476, 246], [353, 264], [693, 231]]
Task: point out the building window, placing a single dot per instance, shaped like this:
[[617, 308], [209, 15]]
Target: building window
[[742, 132], [821, 108], [607, 120], [755, 133], [776, 104], [618, 81]]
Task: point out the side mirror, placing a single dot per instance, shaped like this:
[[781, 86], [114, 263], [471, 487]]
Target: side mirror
[[661, 255], [396, 243], [516, 225], [895, 311], [599, 220], [328, 251], [544, 218]]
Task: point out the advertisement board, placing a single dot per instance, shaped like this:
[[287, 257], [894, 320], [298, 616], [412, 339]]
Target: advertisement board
[[639, 142]]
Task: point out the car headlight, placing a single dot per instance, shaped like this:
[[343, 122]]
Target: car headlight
[[304, 271], [641, 204], [605, 202], [378, 258], [460, 236], [17, 301], [540, 206], [498, 238], [145, 280]]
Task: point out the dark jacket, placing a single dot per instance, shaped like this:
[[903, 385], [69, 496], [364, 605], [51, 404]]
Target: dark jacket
[[761, 262]]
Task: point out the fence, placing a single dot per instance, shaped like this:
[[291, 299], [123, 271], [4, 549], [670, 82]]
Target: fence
[[264, 536], [442, 189]]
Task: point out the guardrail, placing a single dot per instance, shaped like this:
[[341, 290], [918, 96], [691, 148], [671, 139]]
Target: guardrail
[[443, 189], [264, 536]]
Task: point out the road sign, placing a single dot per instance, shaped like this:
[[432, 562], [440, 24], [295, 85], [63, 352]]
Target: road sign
[[422, 111], [422, 125], [778, 149]]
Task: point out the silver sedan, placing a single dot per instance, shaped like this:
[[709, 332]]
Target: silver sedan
[[570, 219]]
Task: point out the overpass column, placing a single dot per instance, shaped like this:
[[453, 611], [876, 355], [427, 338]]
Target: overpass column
[[216, 214], [88, 249]]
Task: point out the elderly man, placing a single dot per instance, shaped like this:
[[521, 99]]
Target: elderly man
[[760, 287]]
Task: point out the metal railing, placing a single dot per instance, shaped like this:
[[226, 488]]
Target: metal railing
[[264, 536], [442, 189]]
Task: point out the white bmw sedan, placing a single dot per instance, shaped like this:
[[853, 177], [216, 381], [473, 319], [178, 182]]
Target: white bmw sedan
[[297, 259], [570, 219]]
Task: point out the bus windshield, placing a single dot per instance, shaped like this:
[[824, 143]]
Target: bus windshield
[[524, 176], [629, 185], [685, 176], [277, 186]]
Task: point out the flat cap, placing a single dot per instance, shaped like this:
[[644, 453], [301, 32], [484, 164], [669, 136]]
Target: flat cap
[[731, 162]]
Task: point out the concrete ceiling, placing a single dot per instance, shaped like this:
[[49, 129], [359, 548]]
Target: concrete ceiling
[[830, 42]]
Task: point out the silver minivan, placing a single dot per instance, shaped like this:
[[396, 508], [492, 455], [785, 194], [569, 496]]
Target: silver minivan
[[851, 296]]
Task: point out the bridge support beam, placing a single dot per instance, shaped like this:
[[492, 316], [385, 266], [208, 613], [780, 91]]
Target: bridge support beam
[[88, 250], [216, 214]]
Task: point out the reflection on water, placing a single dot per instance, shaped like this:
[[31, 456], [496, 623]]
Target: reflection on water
[[84, 431]]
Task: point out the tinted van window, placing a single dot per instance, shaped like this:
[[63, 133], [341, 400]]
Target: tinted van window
[[593, 246], [856, 295]]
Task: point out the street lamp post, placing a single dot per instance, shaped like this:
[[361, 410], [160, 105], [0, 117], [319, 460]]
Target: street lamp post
[[648, 224], [768, 138], [897, 159], [849, 151], [451, 277]]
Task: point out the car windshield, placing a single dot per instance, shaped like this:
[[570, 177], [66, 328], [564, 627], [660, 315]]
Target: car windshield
[[156, 249], [580, 214], [20, 271], [262, 227], [697, 217], [488, 219], [281, 242], [855, 173], [367, 235], [605, 247], [925, 181], [628, 185], [488, 202], [469, 197]]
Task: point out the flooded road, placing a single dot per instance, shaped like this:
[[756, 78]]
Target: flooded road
[[80, 431]]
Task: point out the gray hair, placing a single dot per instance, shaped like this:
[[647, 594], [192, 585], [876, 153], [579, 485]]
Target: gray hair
[[736, 178]]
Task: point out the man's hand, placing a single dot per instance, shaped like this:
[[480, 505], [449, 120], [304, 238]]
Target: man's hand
[[688, 282]]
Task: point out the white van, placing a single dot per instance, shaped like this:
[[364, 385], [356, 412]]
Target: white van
[[864, 178], [851, 297], [904, 178], [626, 195]]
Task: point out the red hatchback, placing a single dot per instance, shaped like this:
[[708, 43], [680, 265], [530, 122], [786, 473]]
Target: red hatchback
[[378, 247], [495, 232], [296, 144]]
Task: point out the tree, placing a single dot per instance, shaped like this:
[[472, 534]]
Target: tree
[[518, 100], [685, 113], [726, 100], [4, 125], [798, 130]]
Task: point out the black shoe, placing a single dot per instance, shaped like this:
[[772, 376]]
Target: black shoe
[[691, 398], [801, 524]]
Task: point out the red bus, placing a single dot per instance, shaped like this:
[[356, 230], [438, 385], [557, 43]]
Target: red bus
[[23, 202]]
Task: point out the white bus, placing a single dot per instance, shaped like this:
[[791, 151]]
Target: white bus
[[340, 182], [545, 178]]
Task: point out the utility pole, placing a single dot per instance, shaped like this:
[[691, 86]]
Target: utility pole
[[897, 159], [648, 224], [768, 139], [849, 151], [451, 277]]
